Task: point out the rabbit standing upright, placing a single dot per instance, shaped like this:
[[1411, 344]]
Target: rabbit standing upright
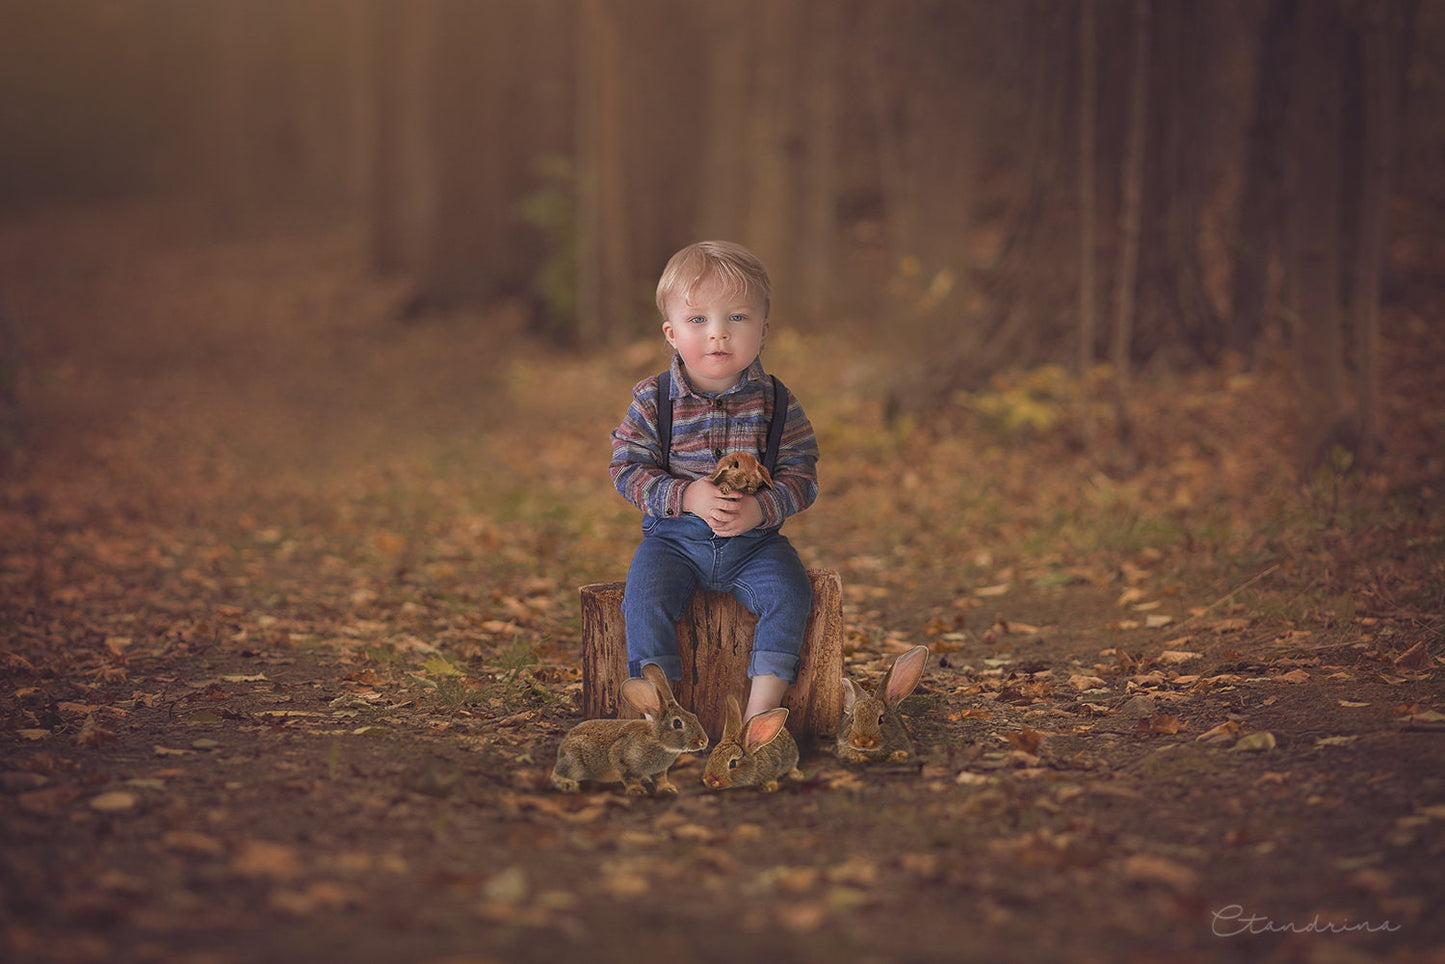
[[872, 730], [633, 752], [756, 754]]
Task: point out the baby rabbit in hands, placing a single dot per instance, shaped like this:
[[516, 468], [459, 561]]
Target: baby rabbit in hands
[[872, 731], [756, 754], [740, 472], [633, 752]]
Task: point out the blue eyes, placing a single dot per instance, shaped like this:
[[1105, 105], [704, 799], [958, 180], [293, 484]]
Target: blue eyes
[[700, 320]]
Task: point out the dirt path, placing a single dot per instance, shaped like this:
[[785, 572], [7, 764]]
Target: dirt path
[[289, 627]]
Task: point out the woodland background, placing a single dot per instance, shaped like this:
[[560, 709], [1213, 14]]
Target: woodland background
[[1120, 181], [1118, 321]]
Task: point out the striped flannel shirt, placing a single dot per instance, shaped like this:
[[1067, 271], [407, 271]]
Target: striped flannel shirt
[[704, 429]]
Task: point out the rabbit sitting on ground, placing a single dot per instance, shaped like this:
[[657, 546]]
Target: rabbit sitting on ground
[[633, 752], [740, 472], [872, 730], [755, 754]]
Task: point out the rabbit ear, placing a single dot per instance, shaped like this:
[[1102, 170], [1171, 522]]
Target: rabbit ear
[[765, 727], [765, 476], [904, 674], [851, 694], [658, 678], [733, 721], [642, 694]]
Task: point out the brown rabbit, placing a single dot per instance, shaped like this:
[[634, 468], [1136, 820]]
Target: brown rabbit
[[740, 472], [757, 754], [871, 730], [634, 752]]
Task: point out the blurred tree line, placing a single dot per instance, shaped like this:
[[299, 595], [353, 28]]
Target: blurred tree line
[[994, 184]]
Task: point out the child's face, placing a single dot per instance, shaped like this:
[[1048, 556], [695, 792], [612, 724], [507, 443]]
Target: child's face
[[718, 333]]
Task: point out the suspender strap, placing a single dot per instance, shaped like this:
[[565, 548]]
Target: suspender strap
[[777, 421], [664, 418]]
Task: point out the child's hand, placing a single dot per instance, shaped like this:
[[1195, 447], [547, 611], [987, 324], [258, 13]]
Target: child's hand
[[726, 515]]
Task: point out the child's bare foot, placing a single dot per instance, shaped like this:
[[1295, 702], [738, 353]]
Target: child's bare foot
[[766, 694]]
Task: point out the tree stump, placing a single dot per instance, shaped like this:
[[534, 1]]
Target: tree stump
[[714, 640]]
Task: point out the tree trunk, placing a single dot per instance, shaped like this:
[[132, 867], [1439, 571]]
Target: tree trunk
[[1088, 276], [723, 205], [1315, 171], [715, 638], [820, 183], [1262, 213], [604, 280], [770, 212], [402, 188], [1131, 218], [1381, 104]]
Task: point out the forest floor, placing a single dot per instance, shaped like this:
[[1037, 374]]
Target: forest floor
[[289, 634]]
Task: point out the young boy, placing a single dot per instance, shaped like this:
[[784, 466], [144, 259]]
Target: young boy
[[714, 297]]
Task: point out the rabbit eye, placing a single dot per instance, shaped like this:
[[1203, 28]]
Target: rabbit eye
[[732, 764], [677, 724], [880, 719]]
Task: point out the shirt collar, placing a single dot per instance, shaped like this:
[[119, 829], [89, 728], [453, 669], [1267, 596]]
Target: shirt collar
[[752, 375]]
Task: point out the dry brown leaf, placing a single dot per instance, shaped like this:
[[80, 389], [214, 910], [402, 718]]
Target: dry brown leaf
[[1222, 733], [1026, 739], [803, 917], [1416, 657], [1160, 723], [317, 896], [93, 735], [1147, 868], [189, 841], [114, 801], [261, 858]]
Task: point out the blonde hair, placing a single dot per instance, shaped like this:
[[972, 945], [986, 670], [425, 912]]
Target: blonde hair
[[732, 264]]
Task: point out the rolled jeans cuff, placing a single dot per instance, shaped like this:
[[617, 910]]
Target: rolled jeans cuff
[[671, 666], [767, 663]]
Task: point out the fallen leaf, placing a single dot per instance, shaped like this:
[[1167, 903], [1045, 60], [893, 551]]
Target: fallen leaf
[[317, 896], [1416, 657], [1161, 723], [1294, 676], [93, 735], [995, 590], [1147, 868], [509, 886], [1335, 740], [1173, 657], [1425, 720], [261, 858], [1220, 734], [189, 841], [113, 801], [1261, 741], [803, 917], [1026, 739]]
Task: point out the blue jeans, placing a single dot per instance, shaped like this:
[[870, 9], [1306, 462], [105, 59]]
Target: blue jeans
[[761, 570]]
